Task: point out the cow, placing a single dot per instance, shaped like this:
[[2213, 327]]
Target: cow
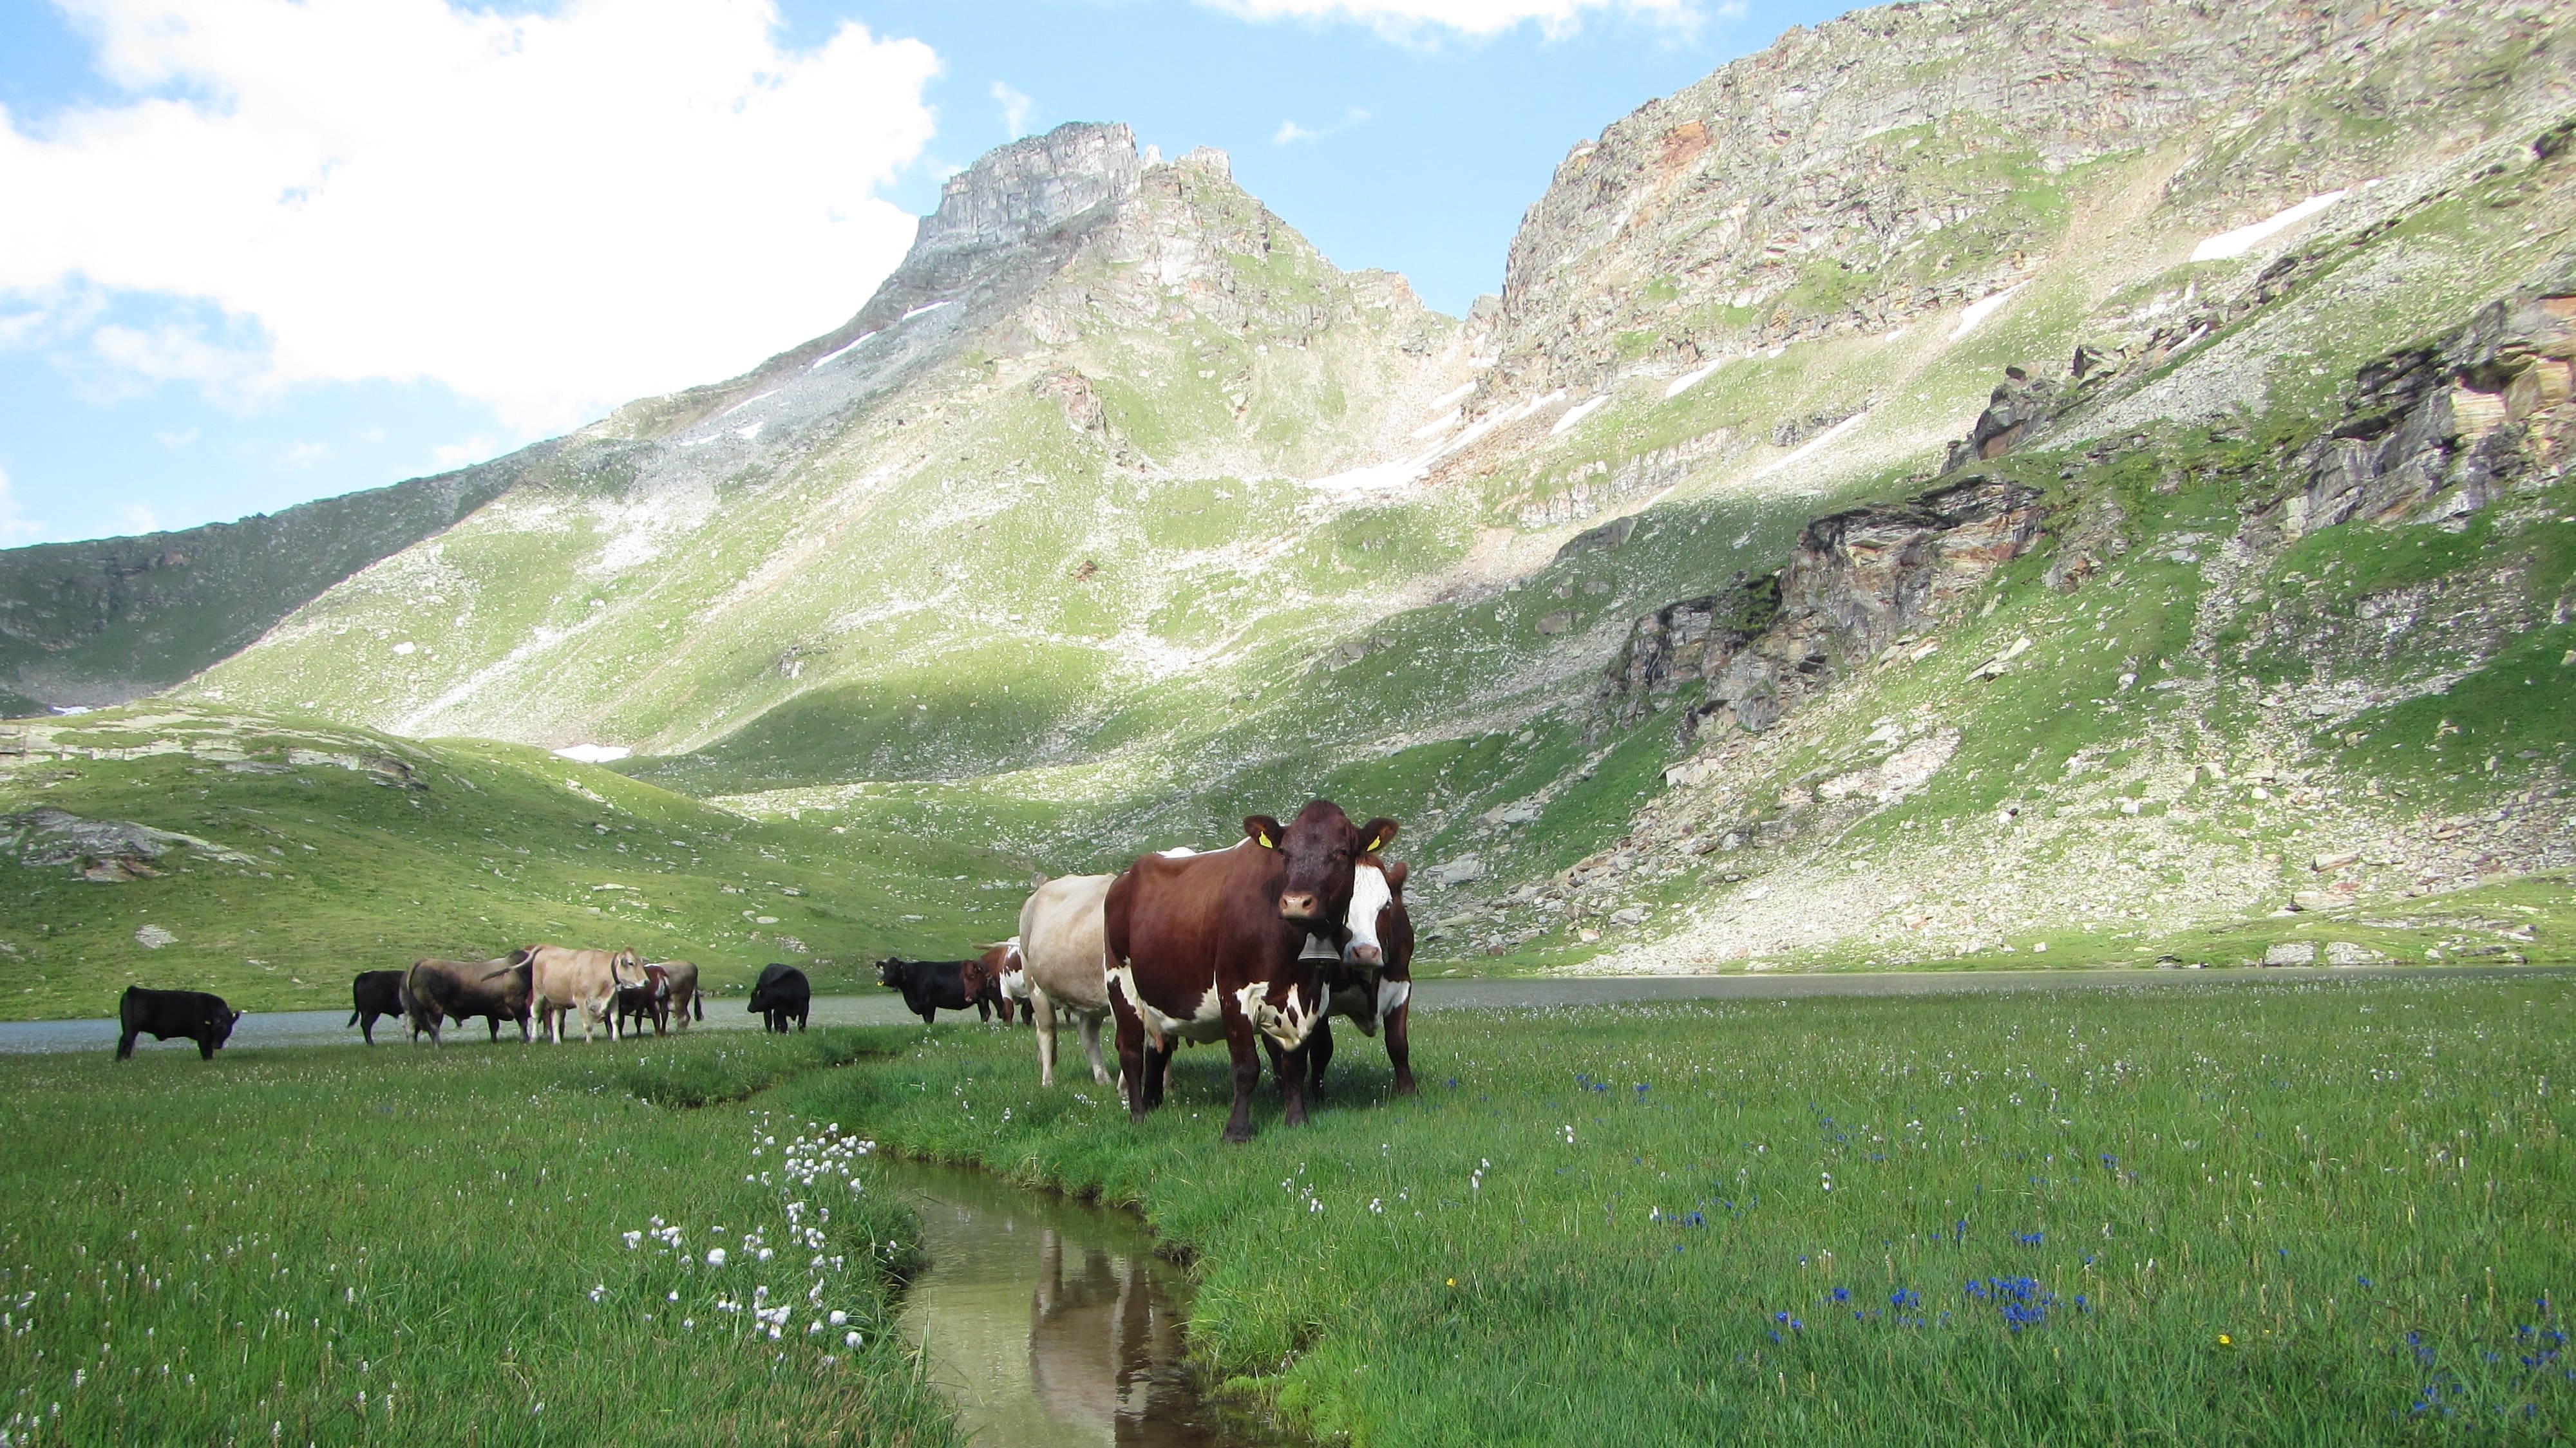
[[685, 995], [1060, 960], [1371, 978], [162, 1014], [782, 994], [931, 986], [562, 981], [1007, 983], [438, 991], [1213, 945], [375, 993], [649, 1000]]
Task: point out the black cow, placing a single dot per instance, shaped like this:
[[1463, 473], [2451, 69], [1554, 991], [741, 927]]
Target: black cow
[[780, 995], [375, 993], [162, 1014], [931, 986]]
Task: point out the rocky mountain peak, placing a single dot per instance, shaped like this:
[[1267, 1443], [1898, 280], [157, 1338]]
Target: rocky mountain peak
[[1016, 193]]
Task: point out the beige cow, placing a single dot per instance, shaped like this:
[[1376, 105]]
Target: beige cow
[[1060, 945], [561, 980]]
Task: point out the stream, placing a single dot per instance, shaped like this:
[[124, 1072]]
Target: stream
[[1049, 1322]]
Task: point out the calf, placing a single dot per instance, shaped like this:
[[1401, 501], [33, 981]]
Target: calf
[[439, 991], [162, 1014], [375, 993], [1371, 980], [931, 986], [1211, 945], [649, 1000], [1008, 976], [782, 994]]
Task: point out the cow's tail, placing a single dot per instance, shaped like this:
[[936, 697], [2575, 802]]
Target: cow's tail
[[698, 1002]]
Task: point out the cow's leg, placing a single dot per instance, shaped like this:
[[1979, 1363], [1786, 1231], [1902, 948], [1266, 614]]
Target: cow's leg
[[1158, 1071], [1399, 1048], [1090, 1027], [367, 1027], [1292, 1085], [1319, 1054], [1042, 1017], [125, 1045], [1131, 1049], [206, 1047], [1247, 1071]]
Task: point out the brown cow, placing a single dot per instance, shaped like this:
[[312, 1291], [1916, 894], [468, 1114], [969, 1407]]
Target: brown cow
[[1212, 945], [1001, 966], [684, 996], [438, 991]]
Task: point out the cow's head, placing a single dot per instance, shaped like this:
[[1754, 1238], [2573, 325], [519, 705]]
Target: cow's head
[[1376, 885], [1318, 850], [890, 972], [626, 968], [224, 1022]]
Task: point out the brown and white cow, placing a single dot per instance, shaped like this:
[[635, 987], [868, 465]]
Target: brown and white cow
[[583, 981], [1001, 967], [1371, 980], [1212, 945]]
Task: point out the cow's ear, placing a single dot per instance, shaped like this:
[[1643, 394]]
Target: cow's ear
[[1396, 870], [1379, 833], [1262, 830]]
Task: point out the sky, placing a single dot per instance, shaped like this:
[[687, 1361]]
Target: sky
[[256, 252]]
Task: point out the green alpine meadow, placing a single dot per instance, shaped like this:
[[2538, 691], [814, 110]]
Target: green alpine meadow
[[2078, 490]]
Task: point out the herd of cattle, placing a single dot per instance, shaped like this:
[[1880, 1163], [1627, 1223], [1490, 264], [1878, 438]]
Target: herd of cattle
[[1258, 944]]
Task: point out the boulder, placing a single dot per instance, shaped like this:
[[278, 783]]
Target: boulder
[[2292, 952]]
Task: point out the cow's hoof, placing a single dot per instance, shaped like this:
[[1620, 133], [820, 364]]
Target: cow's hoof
[[1404, 1087]]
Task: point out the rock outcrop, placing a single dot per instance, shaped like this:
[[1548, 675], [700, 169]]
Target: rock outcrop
[[2442, 430], [1859, 585]]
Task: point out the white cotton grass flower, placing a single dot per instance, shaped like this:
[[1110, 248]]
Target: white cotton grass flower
[[599, 1293], [839, 1317], [715, 1256], [672, 1297], [850, 1339]]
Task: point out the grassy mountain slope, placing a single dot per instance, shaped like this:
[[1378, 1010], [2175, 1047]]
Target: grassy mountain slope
[[102, 622], [312, 851]]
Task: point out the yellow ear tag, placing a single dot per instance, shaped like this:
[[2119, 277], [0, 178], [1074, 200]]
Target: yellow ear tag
[[1265, 843]]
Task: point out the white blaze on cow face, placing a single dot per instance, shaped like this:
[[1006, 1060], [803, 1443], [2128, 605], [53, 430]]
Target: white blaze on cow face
[[1015, 971], [1370, 894]]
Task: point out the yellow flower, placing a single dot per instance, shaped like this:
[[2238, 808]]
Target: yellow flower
[[1453, 1281], [2225, 1341]]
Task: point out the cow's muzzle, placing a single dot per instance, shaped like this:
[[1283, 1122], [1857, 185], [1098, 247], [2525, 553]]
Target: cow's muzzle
[[1300, 905], [1368, 955]]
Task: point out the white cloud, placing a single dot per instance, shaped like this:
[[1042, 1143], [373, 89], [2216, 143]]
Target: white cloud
[[305, 455], [16, 527], [139, 518], [552, 212], [1476, 19], [1015, 109], [1290, 133]]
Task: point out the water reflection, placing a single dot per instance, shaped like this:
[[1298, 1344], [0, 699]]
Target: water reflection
[[1048, 1322]]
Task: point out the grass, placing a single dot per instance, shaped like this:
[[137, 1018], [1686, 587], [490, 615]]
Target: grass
[[340, 1246], [2325, 1213]]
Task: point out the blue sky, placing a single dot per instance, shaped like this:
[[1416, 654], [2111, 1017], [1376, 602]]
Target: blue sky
[[273, 250]]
